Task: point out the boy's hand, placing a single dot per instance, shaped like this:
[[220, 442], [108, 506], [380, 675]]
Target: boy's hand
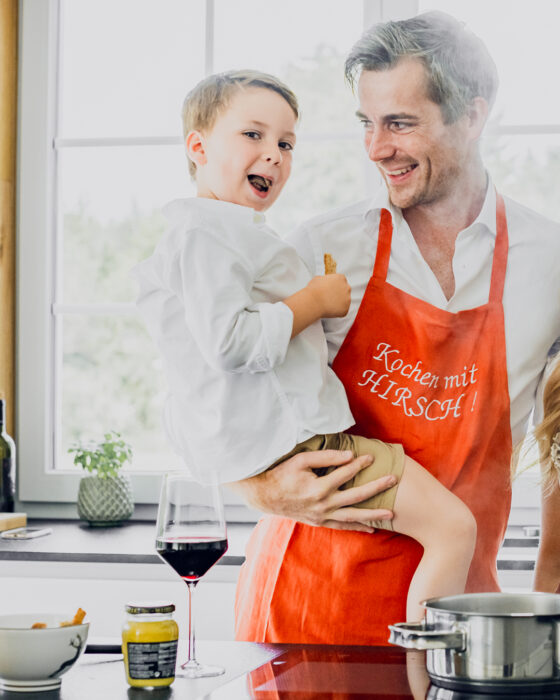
[[332, 294]]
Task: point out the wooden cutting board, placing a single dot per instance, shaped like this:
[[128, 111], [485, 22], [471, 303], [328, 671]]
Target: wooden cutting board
[[8, 521]]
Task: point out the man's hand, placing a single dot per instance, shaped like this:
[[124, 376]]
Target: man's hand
[[293, 490]]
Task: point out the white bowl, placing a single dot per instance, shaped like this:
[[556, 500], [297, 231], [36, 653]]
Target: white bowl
[[35, 659]]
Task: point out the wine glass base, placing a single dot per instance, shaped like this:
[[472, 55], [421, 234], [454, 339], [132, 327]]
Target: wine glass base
[[196, 670]]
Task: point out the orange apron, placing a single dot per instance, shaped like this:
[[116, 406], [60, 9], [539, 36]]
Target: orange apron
[[436, 382]]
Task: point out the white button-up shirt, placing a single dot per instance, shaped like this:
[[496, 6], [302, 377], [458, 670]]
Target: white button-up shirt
[[241, 393], [532, 286]]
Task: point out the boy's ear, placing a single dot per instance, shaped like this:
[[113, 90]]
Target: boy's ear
[[195, 147]]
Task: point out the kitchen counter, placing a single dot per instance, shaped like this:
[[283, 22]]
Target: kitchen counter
[[295, 671], [273, 672], [133, 542], [101, 569]]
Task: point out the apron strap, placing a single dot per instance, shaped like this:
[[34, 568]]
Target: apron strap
[[501, 246], [499, 263], [383, 245]]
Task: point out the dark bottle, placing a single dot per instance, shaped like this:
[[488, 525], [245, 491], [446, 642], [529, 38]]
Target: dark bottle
[[7, 464]]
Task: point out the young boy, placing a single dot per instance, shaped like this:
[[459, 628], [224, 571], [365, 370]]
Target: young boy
[[236, 316]]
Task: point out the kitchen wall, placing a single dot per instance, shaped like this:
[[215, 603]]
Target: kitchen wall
[[104, 589]]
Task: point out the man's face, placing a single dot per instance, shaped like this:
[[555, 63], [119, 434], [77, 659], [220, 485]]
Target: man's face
[[420, 158]]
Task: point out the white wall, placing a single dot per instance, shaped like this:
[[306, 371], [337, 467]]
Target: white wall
[[102, 590]]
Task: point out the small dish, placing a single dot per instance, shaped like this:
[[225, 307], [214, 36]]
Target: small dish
[[34, 660]]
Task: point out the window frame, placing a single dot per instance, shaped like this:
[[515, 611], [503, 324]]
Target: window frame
[[37, 260]]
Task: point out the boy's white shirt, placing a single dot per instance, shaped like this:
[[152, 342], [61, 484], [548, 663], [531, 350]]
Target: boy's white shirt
[[241, 393]]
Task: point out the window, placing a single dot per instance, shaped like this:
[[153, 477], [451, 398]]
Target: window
[[102, 83], [521, 145], [100, 152]]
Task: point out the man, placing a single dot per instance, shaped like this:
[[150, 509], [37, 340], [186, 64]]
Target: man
[[454, 313]]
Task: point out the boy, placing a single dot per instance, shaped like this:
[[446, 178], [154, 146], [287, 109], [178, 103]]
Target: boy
[[237, 319]]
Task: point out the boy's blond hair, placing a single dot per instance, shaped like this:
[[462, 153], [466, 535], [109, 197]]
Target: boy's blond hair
[[210, 96]]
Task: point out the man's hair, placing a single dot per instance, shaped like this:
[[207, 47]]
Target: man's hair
[[458, 65], [212, 95]]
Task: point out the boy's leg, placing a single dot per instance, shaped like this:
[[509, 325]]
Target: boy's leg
[[426, 511]]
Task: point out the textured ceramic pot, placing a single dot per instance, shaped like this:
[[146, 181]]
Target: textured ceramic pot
[[105, 502]]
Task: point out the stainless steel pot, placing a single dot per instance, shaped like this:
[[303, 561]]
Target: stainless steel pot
[[489, 642], [435, 693]]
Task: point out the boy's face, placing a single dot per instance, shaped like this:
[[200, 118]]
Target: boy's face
[[246, 157]]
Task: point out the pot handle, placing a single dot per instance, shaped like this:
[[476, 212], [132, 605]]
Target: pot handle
[[418, 635]]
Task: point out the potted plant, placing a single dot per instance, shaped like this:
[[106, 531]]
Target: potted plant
[[105, 498]]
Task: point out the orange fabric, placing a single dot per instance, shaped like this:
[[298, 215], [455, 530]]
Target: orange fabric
[[436, 382]]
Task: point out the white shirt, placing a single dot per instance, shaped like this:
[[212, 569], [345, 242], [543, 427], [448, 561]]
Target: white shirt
[[241, 393], [532, 286]]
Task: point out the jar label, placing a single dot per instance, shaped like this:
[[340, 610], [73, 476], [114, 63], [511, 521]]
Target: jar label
[[152, 659]]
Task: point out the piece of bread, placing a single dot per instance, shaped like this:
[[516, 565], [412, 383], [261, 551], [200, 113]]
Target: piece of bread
[[330, 264], [79, 617]]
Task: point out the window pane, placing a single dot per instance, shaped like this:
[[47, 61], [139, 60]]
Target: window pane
[[527, 169], [325, 175], [126, 65], [112, 380], [522, 38], [303, 43], [111, 200]]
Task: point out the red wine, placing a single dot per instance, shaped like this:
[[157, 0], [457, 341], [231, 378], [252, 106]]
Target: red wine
[[191, 559]]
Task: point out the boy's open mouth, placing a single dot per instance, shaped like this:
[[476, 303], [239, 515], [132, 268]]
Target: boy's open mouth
[[260, 183]]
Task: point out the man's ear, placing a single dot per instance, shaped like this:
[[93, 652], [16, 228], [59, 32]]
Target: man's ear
[[477, 114], [195, 147]]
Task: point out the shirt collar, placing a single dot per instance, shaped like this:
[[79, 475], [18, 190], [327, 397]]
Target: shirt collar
[[485, 218], [178, 208], [381, 201], [487, 215]]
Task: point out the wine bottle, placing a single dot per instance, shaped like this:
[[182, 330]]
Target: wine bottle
[[7, 465]]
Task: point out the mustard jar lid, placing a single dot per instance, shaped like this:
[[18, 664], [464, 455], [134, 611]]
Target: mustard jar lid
[[150, 608]]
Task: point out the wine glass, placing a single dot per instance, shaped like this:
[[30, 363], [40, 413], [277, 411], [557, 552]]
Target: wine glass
[[191, 537]]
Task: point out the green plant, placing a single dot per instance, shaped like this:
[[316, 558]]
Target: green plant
[[105, 457]]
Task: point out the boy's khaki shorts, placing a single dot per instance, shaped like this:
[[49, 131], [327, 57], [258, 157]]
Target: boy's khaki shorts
[[388, 458]]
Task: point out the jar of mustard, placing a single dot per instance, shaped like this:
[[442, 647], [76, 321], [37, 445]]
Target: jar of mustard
[[149, 644]]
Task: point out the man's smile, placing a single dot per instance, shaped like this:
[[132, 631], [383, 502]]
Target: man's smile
[[401, 171], [396, 175]]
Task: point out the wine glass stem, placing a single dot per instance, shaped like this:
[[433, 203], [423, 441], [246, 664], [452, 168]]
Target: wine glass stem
[[191, 657]]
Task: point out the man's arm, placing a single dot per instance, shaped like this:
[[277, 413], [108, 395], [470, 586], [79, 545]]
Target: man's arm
[[547, 569], [293, 490]]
